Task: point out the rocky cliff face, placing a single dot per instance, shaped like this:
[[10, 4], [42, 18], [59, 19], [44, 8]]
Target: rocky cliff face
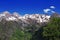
[[39, 18]]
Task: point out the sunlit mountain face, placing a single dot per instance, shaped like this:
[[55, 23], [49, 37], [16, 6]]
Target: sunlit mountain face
[[16, 17]]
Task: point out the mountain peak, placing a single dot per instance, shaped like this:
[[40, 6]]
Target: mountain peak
[[15, 16], [6, 12]]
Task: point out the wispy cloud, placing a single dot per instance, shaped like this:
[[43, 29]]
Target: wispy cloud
[[53, 11], [46, 10], [49, 9], [53, 7]]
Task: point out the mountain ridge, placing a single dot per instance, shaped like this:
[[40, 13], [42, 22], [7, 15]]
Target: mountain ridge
[[25, 18]]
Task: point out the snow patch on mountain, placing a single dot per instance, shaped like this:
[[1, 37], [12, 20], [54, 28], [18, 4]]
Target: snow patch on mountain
[[26, 18]]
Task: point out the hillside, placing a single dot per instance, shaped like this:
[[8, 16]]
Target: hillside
[[27, 27]]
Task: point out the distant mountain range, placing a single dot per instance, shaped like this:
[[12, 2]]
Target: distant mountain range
[[39, 18]]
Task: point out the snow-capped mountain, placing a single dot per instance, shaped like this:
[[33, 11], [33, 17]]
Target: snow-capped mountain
[[26, 18]]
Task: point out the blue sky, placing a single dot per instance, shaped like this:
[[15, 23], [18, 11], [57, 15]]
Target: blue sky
[[28, 6]]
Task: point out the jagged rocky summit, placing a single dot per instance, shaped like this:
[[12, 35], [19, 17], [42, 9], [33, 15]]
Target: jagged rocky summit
[[39, 18]]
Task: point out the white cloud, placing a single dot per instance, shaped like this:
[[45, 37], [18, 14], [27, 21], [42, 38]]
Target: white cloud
[[46, 10], [52, 7], [49, 9], [53, 11]]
